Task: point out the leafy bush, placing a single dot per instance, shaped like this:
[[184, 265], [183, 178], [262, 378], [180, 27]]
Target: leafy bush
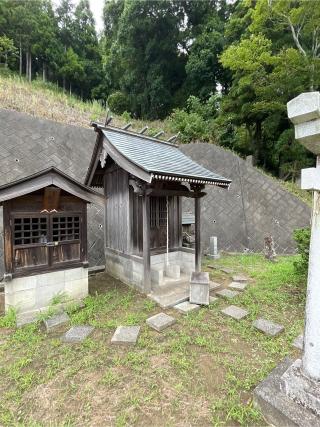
[[118, 102], [302, 238]]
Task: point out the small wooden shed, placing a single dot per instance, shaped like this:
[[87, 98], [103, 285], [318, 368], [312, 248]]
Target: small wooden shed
[[45, 239], [144, 179]]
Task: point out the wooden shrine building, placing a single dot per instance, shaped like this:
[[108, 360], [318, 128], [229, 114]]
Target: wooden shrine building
[[144, 179], [45, 239]]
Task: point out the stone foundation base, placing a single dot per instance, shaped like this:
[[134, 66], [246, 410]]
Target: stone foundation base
[[277, 407], [129, 268], [32, 294]]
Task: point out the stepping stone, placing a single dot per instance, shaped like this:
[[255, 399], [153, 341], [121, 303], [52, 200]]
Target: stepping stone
[[226, 293], [212, 299], [127, 335], [239, 278], [298, 342], [77, 334], [161, 321], [237, 286], [268, 327], [56, 321], [214, 285], [235, 312], [226, 270], [186, 307]]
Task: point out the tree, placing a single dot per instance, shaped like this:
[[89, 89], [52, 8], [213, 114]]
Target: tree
[[145, 55], [72, 68], [7, 49], [86, 46]]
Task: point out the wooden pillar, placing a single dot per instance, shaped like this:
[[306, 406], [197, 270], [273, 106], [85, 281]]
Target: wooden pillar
[[146, 243], [197, 209]]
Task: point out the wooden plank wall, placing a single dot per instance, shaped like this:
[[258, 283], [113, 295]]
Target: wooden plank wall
[[117, 209]]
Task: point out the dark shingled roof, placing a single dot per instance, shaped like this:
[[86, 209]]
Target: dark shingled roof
[[161, 160]]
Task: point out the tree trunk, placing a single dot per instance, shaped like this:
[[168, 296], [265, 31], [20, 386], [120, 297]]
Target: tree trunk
[[27, 64], [312, 76], [64, 83], [30, 67], [20, 58], [70, 92]]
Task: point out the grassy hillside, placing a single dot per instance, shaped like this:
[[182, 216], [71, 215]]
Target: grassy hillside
[[48, 101]]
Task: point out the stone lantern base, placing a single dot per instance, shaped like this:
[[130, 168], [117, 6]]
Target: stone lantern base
[[288, 398]]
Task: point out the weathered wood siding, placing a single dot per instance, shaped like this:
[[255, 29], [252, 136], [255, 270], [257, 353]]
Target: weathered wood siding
[[117, 219], [157, 235]]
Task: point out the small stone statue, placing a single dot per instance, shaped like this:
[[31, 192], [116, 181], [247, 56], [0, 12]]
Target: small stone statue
[[269, 251]]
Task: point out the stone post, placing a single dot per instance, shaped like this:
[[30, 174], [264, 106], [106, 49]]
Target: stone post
[[291, 393], [304, 112], [213, 251]]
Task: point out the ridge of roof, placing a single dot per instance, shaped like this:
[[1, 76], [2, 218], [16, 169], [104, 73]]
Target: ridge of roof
[[45, 172], [101, 126]]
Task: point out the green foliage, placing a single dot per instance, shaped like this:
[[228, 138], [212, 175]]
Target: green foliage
[[118, 102], [9, 320], [302, 238], [196, 121]]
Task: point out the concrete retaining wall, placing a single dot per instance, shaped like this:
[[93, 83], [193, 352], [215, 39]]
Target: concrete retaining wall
[[255, 206]]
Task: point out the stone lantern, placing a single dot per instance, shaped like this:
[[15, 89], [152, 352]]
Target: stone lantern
[[291, 394]]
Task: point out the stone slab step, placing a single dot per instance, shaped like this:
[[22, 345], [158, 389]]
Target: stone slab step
[[235, 312], [238, 286], [240, 278], [126, 335], [227, 293], [186, 307], [160, 321], [56, 321], [170, 299], [268, 327], [77, 334]]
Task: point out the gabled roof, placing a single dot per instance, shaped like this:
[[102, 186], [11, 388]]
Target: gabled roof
[[45, 178], [149, 158]]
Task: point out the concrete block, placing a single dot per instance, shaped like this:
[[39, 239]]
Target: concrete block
[[160, 321], [127, 335], [55, 321], [199, 288], [235, 312], [277, 408], [77, 289], [77, 334], [304, 107], [301, 388], [75, 274], [186, 307], [268, 327], [298, 342], [308, 135], [173, 271], [238, 286], [157, 277], [226, 293]]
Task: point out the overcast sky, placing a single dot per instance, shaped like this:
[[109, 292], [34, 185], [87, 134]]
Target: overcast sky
[[97, 9]]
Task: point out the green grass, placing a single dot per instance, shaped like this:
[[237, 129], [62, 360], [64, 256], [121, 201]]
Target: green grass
[[201, 371]]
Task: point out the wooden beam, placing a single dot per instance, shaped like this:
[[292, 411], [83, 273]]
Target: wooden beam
[[146, 243], [197, 211], [181, 193]]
